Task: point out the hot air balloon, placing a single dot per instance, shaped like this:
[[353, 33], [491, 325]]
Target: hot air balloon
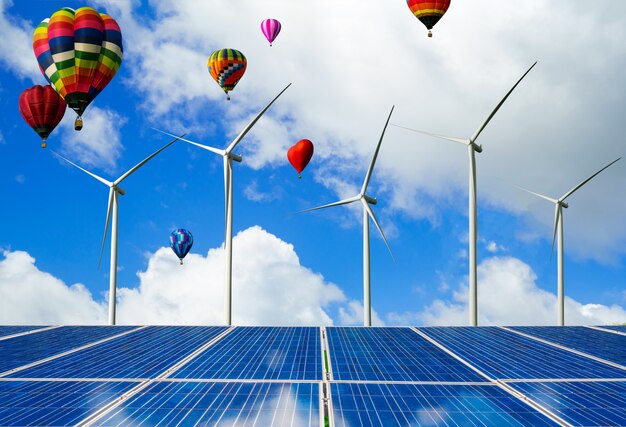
[[79, 52], [300, 154], [227, 66], [181, 242], [42, 108], [428, 11], [270, 28]]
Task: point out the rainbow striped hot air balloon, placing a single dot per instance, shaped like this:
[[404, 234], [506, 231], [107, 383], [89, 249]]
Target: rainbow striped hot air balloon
[[79, 52], [227, 66], [271, 28], [429, 12], [181, 242]]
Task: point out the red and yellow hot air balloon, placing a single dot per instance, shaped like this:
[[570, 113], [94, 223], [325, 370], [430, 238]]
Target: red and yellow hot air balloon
[[227, 66], [429, 12], [42, 108], [79, 52]]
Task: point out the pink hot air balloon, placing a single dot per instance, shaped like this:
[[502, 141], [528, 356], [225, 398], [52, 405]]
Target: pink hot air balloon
[[270, 28]]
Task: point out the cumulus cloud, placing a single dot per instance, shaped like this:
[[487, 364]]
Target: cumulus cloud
[[508, 295], [18, 34]]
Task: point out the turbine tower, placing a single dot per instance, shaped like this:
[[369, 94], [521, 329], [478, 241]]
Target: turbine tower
[[472, 149], [367, 213], [559, 204], [112, 210], [228, 157]]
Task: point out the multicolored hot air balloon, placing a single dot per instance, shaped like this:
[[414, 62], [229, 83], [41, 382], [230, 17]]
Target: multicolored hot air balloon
[[79, 52], [181, 242], [42, 108], [270, 28], [300, 154], [227, 66], [428, 11]]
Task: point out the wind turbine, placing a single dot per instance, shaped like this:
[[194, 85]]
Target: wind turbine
[[367, 213], [228, 157], [559, 204], [112, 210], [473, 148]]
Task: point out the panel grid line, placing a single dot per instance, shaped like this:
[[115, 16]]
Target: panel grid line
[[28, 332]]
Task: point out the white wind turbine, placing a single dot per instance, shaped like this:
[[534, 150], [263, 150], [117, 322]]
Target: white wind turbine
[[473, 148], [367, 213], [112, 210], [559, 204], [228, 157]]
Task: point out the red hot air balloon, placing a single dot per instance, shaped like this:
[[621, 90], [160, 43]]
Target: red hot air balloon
[[300, 154], [42, 108]]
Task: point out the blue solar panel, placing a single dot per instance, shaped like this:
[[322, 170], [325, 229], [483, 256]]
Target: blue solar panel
[[388, 405], [25, 349], [391, 354], [502, 354], [584, 403], [615, 328], [605, 345], [12, 330], [287, 353], [142, 354], [225, 404], [55, 403]]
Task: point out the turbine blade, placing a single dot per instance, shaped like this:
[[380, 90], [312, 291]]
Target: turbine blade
[[144, 161], [449, 138], [557, 215], [243, 133], [102, 180], [206, 147], [549, 199], [341, 202], [495, 110], [380, 230], [106, 224], [371, 168], [569, 193]]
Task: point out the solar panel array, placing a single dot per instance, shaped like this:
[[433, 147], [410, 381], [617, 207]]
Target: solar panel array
[[310, 376]]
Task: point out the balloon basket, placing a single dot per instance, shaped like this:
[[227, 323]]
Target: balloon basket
[[181, 262], [43, 143], [299, 176], [78, 123], [430, 33]]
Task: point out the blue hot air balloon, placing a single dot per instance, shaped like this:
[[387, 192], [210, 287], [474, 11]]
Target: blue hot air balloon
[[181, 242]]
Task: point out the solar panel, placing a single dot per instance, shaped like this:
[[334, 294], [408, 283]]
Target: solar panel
[[616, 328], [281, 353], [388, 405], [391, 354], [12, 330], [583, 403], [26, 349], [142, 354], [502, 354], [166, 403], [605, 345], [55, 403]]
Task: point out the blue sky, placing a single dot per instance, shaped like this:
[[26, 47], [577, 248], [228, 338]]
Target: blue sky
[[349, 64]]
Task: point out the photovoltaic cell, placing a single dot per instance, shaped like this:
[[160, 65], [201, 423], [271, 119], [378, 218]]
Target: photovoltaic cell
[[615, 328], [281, 353], [505, 355], [55, 403], [605, 345], [11, 330], [391, 354], [584, 403], [165, 403], [388, 405], [29, 348], [142, 354]]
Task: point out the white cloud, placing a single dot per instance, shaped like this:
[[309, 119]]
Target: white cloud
[[508, 295], [252, 192], [17, 55], [352, 314]]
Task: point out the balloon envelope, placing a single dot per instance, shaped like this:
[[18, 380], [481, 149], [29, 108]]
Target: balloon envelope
[[429, 12], [300, 154], [79, 52], [42, 108], [181, 242], [227, 66], [270, 28]]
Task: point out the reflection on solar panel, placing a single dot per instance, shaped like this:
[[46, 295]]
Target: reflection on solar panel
[[432, 405], [605, 345], [142, 354], [260, 353], [59, 403], [580, 403], [25, 349], [225, 404], [12, 330], [391, 354], [502, 354], [615, 328]]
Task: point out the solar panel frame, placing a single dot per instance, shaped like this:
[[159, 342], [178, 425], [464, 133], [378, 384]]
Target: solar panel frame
[[9, 330], [618, 328]]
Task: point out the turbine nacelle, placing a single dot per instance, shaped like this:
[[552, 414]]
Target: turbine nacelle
[[235, 157], [119, 190], [368, 199]]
